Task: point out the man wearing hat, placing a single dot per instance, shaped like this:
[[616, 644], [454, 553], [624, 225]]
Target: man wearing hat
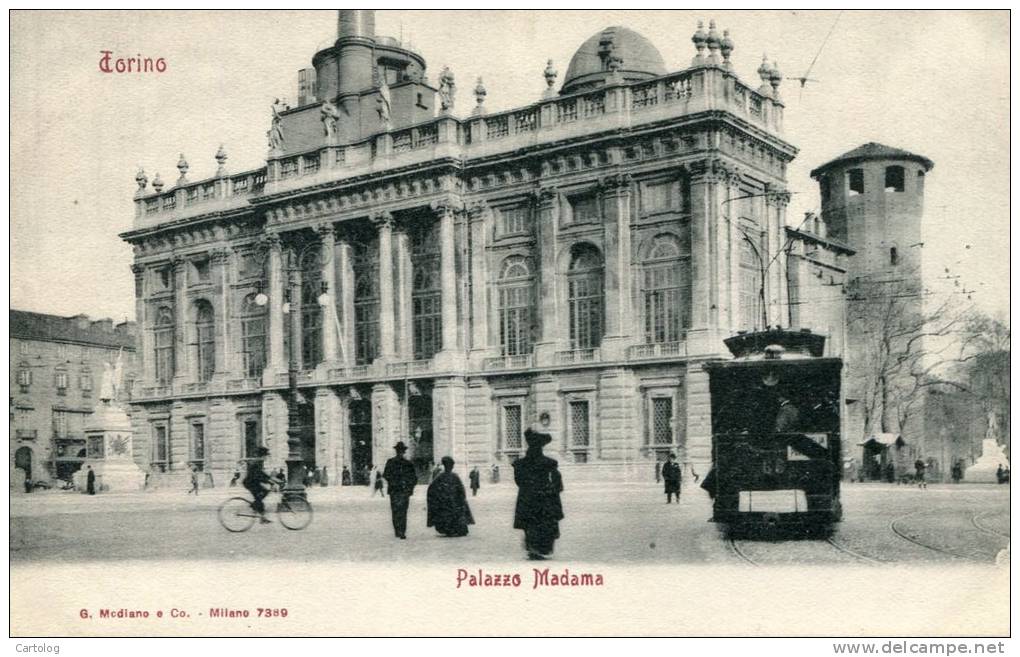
[[539, 485], [258, 483], [400, 480], [671, 475]]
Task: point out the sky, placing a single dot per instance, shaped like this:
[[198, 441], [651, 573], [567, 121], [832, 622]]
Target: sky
[[934, 83]]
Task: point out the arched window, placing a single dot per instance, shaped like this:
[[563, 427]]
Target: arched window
[[751, 294], [426, 293], [163, 335], [584, 297], [366, 301], [205, 339], [253, 337], [311, 311], [666, 289], [515, 295]]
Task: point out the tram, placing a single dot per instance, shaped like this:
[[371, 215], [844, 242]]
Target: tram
[[775, 433]]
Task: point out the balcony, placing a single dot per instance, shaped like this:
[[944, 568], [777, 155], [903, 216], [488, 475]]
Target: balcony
[[409, 368], [657, 350], [501, 363], [578, 356], [26, 434], [237, 385]]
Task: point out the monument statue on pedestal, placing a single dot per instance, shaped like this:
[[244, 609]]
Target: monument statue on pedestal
[[992, 456], [108, 440]]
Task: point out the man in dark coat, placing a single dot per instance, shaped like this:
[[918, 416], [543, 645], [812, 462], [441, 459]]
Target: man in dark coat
[[539, 485], [258, 483], [400, 480], [476, 480], [671, 475], [90, 481], [448, 510]]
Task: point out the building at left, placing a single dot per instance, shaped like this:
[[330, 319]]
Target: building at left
[[56, 366]]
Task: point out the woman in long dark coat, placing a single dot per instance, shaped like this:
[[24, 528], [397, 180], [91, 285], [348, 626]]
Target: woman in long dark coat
[[539, 485], [448, 509]]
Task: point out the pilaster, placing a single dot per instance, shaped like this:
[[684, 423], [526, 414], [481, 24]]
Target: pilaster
[[619, 436], [345, 301], [225, 355], [402, 284], [331, 432], [547, 201], [547, 401], [697, 448], [145, 348], [479, 424], [386, 412], [448, 438], [777, 294], [707, 184], [182, 358], [274, 429], [617, 202], [445, 210], [479, 229]]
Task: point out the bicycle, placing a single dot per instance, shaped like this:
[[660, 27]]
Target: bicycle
[[238, 514]]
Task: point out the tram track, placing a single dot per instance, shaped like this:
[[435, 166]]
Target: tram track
[[975, 520], [740, 553], [853, 553], [950, 553]]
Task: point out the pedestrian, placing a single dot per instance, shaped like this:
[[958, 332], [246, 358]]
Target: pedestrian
[[345, 476], [324, 479], [194, 482], [539, 484], [436, 471], [671, 475], [258, 483], [400, 480], [377, 486], [958, 471], [999, 473], [919, 468], [475, 478], [90, 481], [495, 473], [237, 475], [448, 509]]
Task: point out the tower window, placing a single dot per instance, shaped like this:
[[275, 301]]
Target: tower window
[[894, 179], [894, 256], [855, 181]]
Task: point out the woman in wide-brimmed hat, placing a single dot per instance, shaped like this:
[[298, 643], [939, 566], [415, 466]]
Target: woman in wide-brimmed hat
[[539, 485]]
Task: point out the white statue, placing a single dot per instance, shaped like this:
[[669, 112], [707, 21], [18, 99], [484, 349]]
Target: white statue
[[384, 104], [106, 389], [275, 133], [330, 116]]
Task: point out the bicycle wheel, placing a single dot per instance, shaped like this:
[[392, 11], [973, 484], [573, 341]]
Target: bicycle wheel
[[236, 515], [294, 512]]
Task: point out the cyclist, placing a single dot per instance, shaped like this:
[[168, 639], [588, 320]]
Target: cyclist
[[258, 483]]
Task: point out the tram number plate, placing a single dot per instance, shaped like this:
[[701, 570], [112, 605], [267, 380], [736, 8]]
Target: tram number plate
[[793, 455]]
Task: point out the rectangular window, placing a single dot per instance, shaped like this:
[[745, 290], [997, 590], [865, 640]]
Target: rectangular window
[[164, 351], [579, 427], [160, 448], [750, 286], [511, 427], [60, 424], [253, 346], [198, 445], [24, 378], [311, 164], [25, 347], [251, 436], [201, 269], [60, 381], [659, 197], [515, 319], [62, 352], [288, 168], [855, 181], [894, 179], [662, 421], [584, 209], [514, 220]]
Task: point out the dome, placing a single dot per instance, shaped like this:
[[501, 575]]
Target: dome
[[589, 67]]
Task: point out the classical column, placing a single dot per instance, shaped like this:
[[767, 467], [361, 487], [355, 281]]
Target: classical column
[[277, 359], [182, 357], [329, 318], [731, 243], [386, 413], [547, 199], [479, 228], [345, 300], [225, 351], [384, 224], [447, 273], [402, 286], [616, 195], [145, 351], [274, 429], [330, 432], [706, 176], [777, 293]]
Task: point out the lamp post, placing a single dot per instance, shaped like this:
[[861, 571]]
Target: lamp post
[[293, 261]]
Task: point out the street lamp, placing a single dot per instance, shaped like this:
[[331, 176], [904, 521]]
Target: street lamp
[[300, 252]]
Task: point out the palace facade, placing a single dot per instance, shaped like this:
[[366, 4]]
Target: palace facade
[[448, 279]]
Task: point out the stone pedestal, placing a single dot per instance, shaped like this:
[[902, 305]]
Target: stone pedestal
[[985, 468], [108, 440]]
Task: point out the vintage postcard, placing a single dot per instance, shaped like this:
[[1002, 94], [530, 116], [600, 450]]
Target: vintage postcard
[[510, 323]]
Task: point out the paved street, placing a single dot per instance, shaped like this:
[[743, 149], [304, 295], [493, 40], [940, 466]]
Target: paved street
[[615, 524]]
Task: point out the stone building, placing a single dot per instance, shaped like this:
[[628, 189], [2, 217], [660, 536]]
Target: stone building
[[459, 275], [57, 364], [873, 202]]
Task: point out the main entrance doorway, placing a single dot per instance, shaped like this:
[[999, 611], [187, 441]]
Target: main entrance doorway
[[23, 460], [360, 422]]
